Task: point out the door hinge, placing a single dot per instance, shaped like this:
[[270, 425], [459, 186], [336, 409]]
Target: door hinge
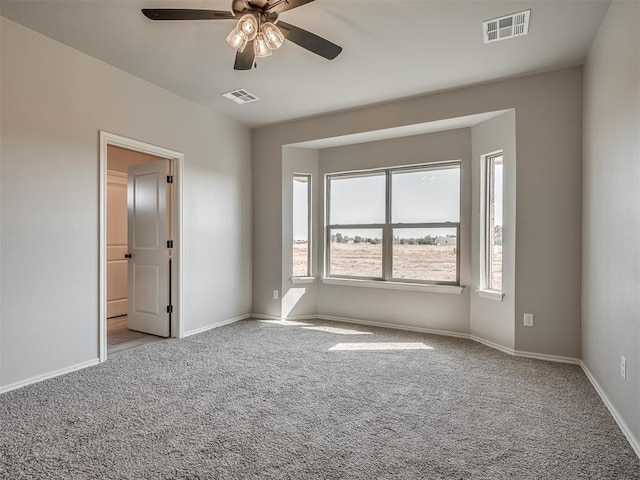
[[169, 243], [169, 178], [169, 308]]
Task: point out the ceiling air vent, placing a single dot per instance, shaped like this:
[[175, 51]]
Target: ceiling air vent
[[509, 26], [241, 96]]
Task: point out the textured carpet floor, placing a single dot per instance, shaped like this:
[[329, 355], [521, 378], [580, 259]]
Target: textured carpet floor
[[263, 400]]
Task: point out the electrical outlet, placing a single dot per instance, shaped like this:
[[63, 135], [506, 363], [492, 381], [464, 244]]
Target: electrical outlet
[[275, 294], [528, 319], [623, 367]]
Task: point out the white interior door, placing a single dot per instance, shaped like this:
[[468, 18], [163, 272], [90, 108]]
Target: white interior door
[[148, 232]]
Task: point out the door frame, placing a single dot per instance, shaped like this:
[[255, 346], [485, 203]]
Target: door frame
[[177, 168]]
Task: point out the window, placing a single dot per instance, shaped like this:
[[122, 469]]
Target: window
[[301, 225], [492, 258], [396, 224]]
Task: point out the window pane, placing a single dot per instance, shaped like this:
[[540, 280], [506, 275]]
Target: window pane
[[425, 254], [356, 252], [357, 199], [426, 196], [495, 224], [301, 225]]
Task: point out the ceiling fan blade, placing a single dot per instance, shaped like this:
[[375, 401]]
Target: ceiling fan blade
[[280, 6], [246, 58], [186, 14], [310, 41]]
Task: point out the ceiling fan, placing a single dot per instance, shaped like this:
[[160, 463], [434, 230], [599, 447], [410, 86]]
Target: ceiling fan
[[258, 31]]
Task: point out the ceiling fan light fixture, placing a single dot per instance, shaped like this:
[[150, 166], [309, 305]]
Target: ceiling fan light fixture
[[261, 47], [237, 40], [272, 35], [248, 26]]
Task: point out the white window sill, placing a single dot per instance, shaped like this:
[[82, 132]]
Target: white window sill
[[302, 280], [491, 295], [417, 287]]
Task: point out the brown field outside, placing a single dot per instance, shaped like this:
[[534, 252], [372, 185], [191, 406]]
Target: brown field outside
[[417, 262]]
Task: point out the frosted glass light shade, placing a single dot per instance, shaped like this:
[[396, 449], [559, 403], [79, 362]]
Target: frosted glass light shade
[[248, 27], [237, 40], [261, 47], [272, 35]]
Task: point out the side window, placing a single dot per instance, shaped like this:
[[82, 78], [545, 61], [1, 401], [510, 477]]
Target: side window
[[492, 235], [301, 248]]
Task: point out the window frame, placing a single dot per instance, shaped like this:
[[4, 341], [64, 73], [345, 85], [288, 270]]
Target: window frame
[[388, 227], [309, 178], [488, 165]]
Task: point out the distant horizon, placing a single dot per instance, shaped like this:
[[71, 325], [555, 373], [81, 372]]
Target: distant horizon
[[363, 201]]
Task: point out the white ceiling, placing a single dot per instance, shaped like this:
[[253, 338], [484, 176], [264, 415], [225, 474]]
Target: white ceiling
[[392, 48]]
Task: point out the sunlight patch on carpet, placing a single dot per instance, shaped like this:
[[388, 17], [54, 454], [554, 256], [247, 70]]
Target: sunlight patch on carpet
[[339, 331], [381, 346], [286, 323]]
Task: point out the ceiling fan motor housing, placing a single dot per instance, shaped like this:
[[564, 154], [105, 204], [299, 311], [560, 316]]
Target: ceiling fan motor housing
[[242, 7]]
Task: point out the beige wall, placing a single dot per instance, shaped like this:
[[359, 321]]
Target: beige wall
[[611, 212], [426, 310], [54, 101], [549, 130], [489, 319], [299, 299]]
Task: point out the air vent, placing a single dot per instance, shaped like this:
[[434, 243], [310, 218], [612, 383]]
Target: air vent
[[241, 96], [509, 26]]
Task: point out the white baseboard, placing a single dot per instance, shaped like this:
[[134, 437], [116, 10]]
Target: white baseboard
[[548, 358], [301, 318], [395, 326], [490, 344], [46, 376], [446, 333], [262, 316], [433, 331], [633, 441], [291, 318], [356, 321], [216, 325]]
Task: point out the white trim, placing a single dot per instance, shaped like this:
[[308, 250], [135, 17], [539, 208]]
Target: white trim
[[490, 295], [548, 358], [633, 441], [47, 376], [432, 331], [292, 318], [495, 346], [177, 163], [262, 316], [416, 287], [395, 326], [300, 318], [216, 325], [301, 280]]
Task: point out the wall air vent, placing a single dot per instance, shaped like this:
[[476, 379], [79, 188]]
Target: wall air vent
[[241, 96], [509, 26]]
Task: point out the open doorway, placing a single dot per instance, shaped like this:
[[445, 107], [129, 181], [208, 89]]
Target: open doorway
[[140, 232]]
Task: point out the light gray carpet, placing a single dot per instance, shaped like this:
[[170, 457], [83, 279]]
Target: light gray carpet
[[259, 400]]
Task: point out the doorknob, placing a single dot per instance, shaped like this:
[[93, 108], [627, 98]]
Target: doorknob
[[127, 255]]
